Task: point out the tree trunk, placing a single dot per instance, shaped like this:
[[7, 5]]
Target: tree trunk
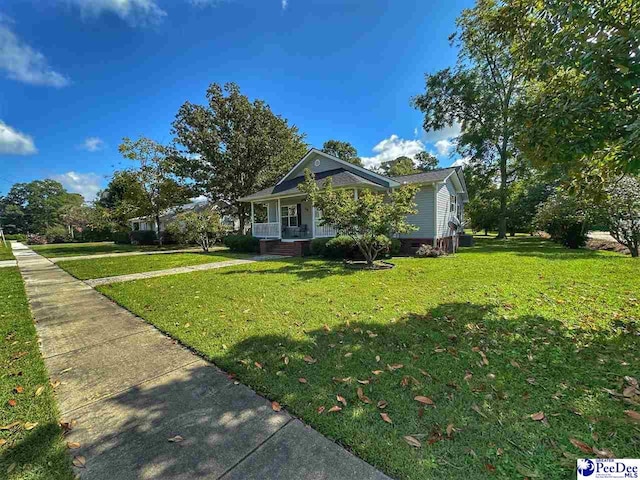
[[502, 223], [240, 208], [158, 230]]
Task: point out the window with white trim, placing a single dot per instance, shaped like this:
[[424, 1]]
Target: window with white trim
[[289, 216], [453, 204]]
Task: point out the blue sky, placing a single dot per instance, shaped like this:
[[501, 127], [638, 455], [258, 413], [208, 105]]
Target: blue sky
[[78, 75]]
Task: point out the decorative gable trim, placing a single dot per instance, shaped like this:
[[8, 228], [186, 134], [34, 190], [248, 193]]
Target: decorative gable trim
[[348, 166]]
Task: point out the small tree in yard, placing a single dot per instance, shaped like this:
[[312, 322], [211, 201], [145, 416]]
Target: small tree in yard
[[369, 219], [203, 228], [565, 218], [624, 212]]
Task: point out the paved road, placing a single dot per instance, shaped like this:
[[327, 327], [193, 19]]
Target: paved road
[[131, 389]]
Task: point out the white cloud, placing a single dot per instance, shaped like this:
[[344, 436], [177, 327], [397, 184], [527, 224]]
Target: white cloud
[[13, 142], [447, 133], [461, 162], [134, 12], [285, 4], [22, 63], [392, 148], [92, 144], [86, 184], [444, 147]]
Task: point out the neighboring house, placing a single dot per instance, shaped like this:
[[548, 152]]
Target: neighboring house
[[149, 223], [285, 221]]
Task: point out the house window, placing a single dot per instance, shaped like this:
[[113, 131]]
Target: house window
[[289, 216], [453, 204], [136, 226]]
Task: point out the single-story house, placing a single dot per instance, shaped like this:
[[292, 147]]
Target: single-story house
[[149, 223], [286, 221]]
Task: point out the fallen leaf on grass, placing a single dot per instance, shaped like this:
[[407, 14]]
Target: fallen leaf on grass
[[10, 426], [395, 366], [485, 360], [362, 396], [476, 409], [285, 359], [538, 416], [19, 389], [341, 399], [39, 391], [450, 430], [348, 354], [335, 408], [12, 402], [79, 461], [73, 445], [377, 372], [320, 409], [258, 364], [468, 376], [30, 425], [604, 453], [275, 406], [515, 364], [633, 415], [176, 439], [386, 418], [490, 468], [11, 467], [302, 380], [55, 384], [414, 442], [424, 400], [309, 359], [381, 404], [363, 382], [581, 445]]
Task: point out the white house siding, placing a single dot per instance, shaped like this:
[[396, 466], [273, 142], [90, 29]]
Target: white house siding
[[445, 190], [424, 218]]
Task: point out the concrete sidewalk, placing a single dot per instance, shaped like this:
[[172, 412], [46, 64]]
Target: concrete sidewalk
[[131, 389], [94, 282], [7, 263], [129, 254]]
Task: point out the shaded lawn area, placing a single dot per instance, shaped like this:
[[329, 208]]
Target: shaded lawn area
[[5, 252], [112, 266], [95, 248], [32, 444], [556, 328]]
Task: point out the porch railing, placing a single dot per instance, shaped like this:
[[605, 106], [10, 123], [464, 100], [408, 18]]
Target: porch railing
[[266, 230], [324, 230]]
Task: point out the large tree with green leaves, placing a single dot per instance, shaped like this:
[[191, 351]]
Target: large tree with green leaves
[[398, 167], [426, 161], [582, 59], [35, 206], [370, 219], [343, 150], [482, 92], [152, 187], [233, 147]]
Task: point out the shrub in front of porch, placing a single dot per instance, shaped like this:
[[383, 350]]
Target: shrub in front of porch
[[369, 218], [242, 243]]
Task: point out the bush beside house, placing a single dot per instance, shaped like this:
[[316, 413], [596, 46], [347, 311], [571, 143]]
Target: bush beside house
[[242, 243]]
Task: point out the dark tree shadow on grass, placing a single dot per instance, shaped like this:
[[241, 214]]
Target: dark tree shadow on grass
[[533, 364]]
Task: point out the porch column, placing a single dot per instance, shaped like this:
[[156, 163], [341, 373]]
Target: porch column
[[253, 230], [313, 221], [355, 193], [279, 221]]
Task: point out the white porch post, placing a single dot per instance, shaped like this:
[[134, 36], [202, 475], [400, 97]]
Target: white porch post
[[355, 193], [313, 221], [253, 229], [279, 221]]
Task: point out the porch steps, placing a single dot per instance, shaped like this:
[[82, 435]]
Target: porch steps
[[288, 249]]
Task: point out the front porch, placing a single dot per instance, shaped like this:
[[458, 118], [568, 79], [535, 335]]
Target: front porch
[[288, 219]]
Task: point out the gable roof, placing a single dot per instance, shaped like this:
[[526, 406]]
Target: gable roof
[[361, 171], [339, 178]]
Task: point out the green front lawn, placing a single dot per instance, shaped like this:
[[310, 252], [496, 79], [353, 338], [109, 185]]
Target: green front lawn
[[94, 248], [31, 444], [112, 266], [5, 252], [492, 336]]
